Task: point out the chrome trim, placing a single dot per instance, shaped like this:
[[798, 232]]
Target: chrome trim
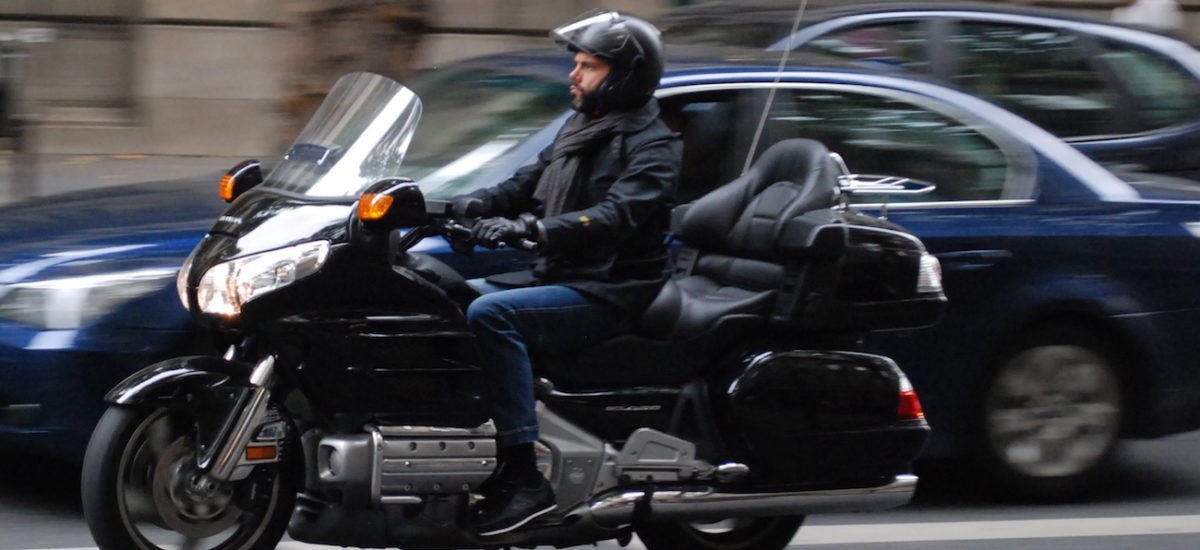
[[377, 448], [246, 421], [401, 499], [730, 472], [225, 462], [263, 372], [616, 509], [487, 429]]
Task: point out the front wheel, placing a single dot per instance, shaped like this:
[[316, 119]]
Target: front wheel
[[141, 489], [732, 534]]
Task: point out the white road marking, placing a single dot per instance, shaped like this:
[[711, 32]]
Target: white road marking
[[997, 530], [874, 533]]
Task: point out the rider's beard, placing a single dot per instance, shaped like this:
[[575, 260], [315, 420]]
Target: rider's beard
[[586, 102]]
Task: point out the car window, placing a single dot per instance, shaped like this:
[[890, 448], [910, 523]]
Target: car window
[[715, 137], [1040, 73], [1161, 90], [751, 32], [888, 136], [894, 44]]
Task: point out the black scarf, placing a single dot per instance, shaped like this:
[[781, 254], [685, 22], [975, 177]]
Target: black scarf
[[579, 136]]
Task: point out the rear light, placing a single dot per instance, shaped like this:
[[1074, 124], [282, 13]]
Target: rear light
[[929, 279], [910, 406]]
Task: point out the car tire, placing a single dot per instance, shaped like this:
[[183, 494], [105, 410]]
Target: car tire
[[773, 533], [1051, 415], [135, 474]]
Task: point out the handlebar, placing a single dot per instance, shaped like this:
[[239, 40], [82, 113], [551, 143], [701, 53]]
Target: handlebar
[[459, 230]]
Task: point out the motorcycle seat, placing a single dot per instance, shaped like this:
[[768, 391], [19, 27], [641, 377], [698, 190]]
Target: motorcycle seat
[[745, 244]]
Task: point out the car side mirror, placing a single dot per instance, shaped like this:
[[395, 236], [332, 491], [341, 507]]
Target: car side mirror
[[239, 179]]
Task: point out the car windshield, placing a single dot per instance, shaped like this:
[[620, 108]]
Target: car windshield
[[475, 128]]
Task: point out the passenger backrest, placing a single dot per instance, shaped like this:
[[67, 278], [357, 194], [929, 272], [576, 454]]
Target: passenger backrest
[[735, 259]]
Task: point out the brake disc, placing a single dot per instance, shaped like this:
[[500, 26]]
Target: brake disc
[[187, 501]]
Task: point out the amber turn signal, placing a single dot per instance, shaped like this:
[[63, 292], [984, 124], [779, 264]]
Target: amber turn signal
[[240, 179], [227, 187], [260, 453], [373, 206]]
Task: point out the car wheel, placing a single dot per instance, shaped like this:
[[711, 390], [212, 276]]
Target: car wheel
[[141, 491], [732, 534], [1052, 415]]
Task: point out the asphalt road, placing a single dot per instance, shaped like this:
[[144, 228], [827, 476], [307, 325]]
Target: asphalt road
[[1150, 499]]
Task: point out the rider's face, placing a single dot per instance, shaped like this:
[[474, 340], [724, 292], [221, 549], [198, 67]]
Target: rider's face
[[589, 72]]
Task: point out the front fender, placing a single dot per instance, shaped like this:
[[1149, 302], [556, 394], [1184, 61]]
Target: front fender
[[167, 378]]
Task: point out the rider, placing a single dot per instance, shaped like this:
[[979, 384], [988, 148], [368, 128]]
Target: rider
[[597, 203]]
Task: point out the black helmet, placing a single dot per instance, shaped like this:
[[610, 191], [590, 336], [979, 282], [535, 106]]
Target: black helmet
[[630, 45]]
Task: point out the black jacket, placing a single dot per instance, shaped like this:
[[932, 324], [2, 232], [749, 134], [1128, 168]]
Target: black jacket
[[610, 243]]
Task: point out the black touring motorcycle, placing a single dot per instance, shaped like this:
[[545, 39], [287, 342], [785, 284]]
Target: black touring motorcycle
[[348, 408]]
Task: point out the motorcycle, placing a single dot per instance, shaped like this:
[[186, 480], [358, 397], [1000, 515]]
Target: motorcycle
[[348, 407]]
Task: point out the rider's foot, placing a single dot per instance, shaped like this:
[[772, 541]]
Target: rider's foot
[[509, 504]]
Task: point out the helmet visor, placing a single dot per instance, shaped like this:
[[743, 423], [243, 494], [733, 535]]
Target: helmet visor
[[597, 32]]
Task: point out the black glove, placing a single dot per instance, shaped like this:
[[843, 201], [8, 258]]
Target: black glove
[[493, 232]]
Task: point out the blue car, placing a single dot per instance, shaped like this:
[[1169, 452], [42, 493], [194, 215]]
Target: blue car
[[1124, 96], [1071, 289]]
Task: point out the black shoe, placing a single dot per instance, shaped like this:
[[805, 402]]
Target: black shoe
[[511, 505], [492, 484]]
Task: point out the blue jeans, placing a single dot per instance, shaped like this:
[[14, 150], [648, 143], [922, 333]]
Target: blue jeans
[[510, 323]]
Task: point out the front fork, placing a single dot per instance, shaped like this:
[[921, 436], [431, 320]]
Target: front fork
[[250, 434]]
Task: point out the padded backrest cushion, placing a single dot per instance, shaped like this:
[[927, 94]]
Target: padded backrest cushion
[[744, 217]]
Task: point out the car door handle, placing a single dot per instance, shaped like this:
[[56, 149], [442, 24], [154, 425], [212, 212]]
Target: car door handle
[[973, 259]]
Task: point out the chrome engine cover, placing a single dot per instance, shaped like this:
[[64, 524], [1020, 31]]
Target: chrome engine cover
[[398, 464]]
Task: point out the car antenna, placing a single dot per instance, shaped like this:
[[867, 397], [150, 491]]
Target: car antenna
[[762, 121]]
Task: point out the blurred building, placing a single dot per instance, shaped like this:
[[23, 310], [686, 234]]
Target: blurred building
[[233, 77]]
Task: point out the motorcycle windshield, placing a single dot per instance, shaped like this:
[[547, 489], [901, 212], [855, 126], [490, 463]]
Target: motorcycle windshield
[[359, 135]]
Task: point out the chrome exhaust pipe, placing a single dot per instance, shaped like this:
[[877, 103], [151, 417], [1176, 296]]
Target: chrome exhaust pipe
[[617, 508]]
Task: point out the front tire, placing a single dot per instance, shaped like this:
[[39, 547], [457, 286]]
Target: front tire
[[772, 533], [140, 489]]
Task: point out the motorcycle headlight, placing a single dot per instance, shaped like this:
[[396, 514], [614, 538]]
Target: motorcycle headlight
[[74, 302], [929, 279], [225, 287]]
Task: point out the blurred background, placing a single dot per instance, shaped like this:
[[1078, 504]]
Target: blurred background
[[235, 77]]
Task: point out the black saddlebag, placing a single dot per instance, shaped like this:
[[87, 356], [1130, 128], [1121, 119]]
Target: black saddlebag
[[821, 419]]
